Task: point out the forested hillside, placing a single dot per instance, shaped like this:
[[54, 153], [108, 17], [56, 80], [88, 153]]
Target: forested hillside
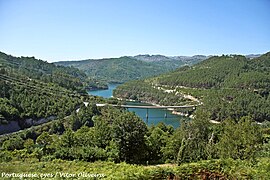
[[228, 86], [84, 136], [68, 77], [233, 71], [32, 90], [129, 68]]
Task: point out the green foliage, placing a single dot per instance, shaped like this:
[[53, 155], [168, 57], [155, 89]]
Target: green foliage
[[67, 139], [102, 132], [36, 90], [240, 140], [223, 104], [84, 137], [121, 136], [192, 142], [84, 117], [211, 169], [13, 143], [171, 149], [57, 127], [29, 145], [68, 77], [24, 103], [44, 141], [128, 133], [155, 142], [5, 156]]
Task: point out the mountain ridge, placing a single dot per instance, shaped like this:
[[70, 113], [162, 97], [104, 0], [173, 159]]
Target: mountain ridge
[[128, 68], [168, 57]]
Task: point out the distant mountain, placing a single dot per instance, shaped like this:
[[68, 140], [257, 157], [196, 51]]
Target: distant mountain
[[251, 56], [151, 58], [186, 59], [130, 67]]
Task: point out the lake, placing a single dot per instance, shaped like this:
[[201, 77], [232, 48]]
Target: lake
[[154, 115], [106, 93]]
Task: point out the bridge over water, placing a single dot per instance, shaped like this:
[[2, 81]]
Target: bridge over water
[[146, 107], [150, 107]]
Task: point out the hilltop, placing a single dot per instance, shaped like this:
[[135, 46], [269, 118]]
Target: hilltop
[[130, 68]]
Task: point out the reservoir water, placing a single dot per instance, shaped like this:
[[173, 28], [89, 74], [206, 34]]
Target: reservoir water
[[106, 93], [154, 115]]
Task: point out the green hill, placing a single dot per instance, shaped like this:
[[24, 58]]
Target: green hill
[[233, 71], [228, 86], [68, 77], [32, 90], [129, 68]]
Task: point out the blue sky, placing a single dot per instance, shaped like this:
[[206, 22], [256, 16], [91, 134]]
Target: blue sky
[[55, 30]]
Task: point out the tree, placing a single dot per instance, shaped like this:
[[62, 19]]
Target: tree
[[13, 143], [29, 145], [85, 136], [128, 132], [45, 140], [67, 139], [57, 128], [240, 140], [103, 132], [155, 142], [197, 136], [38, 153], [170, 151], [192, 142]]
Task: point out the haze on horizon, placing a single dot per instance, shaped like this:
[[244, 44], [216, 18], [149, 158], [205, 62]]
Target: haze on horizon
[[73, 30]]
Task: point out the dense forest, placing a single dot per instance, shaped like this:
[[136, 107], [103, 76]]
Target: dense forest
[[67, 77], [31, 90], [230, 86], [119, 70], [110, 137], [117, 144]]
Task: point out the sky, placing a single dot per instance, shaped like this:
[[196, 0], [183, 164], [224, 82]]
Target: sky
[[55, 30]]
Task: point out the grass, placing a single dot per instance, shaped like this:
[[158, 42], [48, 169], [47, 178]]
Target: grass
[[60, 169]]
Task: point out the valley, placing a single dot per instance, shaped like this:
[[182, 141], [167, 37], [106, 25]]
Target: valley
[[230, 90], [135, 90]]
